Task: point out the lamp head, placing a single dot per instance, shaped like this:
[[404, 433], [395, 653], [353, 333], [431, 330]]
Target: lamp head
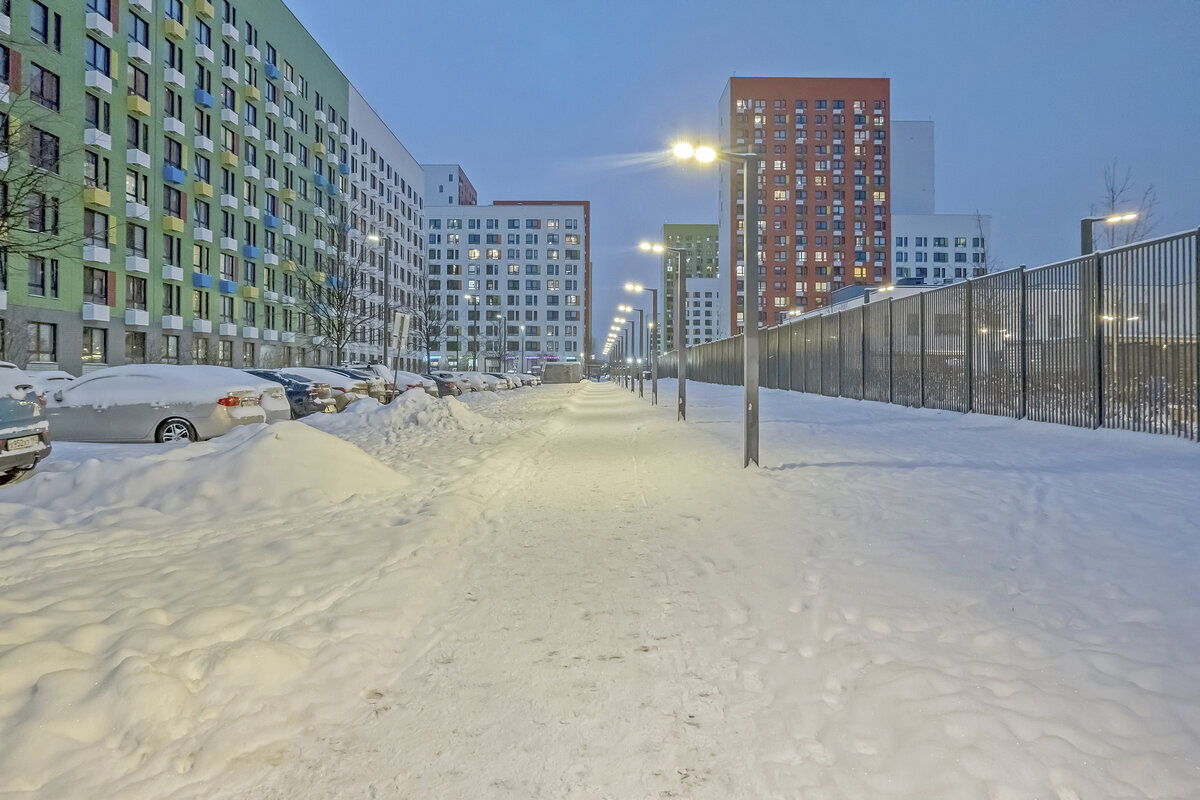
[[683, 150]]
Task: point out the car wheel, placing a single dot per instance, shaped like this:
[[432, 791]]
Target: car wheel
[[175, 430]]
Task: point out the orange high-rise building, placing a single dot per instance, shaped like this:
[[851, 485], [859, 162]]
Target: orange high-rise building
[[824, 171]]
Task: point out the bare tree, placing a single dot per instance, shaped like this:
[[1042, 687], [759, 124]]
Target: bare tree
[[1122, 195], [989, 263], [432, 325], [336, 294]]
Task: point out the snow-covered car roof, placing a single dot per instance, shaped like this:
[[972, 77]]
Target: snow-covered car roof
[[334, 379], [172, 383]]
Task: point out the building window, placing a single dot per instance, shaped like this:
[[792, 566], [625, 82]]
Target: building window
[[225, 353], [135, 347], [135, 292], [43, 340], [170, 349], [95, 342], [43, 277], [95, 286], [44, 86], [43, 149]]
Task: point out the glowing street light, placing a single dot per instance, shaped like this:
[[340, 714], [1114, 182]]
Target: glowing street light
[[655, 342], [749, 163], [1086, 245]]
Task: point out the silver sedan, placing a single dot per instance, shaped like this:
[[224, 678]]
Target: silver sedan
[[158, 403]]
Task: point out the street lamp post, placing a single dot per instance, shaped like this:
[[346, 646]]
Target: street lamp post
[[749, 162], [1086, 229], [677, 326], [641, 352], [387, 246], [654, 340], [473, 299]]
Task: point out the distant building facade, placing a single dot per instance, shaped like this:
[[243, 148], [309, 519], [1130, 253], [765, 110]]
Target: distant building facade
[[702, 283], [824, 189], [447, 185], [928, 247], [510, 281]]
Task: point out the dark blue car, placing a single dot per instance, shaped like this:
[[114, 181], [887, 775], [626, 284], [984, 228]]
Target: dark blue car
[[304, 395], [24, 429]]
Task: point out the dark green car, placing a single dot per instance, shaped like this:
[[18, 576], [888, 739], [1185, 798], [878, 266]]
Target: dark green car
[[24, 429]]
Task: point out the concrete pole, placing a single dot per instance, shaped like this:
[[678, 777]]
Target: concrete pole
[[641, 352], [677, 330], [750, 317], [654, 347]]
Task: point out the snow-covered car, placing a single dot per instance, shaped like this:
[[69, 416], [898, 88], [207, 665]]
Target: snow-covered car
[[49, 380], [304, 395], [466, 383], [161, 403], [411, 380], [446, 387], [24, 431], [381, 388], [506, 381], [345, 389], [490, 382]]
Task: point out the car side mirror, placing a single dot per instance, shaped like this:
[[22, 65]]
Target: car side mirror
[[58, 395]]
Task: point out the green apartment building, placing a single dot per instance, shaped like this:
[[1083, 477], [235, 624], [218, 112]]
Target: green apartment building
[[177, 177], [700, 271]]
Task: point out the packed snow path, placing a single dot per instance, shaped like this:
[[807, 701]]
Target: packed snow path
[[565, 593]]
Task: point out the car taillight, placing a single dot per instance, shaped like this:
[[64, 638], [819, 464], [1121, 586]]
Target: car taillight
[[229, 401], [314, 392], [42, 399]]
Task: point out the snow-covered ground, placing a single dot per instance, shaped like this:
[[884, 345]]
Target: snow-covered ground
[[562, 592]]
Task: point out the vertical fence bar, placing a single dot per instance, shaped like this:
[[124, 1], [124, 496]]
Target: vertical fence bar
[[1023, 327], [969, 343], [891, 354], [921, 317], [1098, 326]]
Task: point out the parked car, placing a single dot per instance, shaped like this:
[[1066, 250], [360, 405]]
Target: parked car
[[465, 383], [24, 430], [490, 382], [48, 380], [382, 389], [304, 395], [345, 389], [406, 381], [445, 386], [506, 382], [526, 378], [161, 403]]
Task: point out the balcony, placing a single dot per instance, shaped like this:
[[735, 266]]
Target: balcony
[[171, 273], [202, 326], [202, 189], [137, 211], [271, 146], [250, 212], [288, 86], [319, 244], [271, 108], [230, 32], [290, 123], [95, 79], [229, 115], [252, 132], [270, 221], [201, 234], [203, 143], [174, 30], [249, 331], [271, 259], [287, 337], [139, 52], [287, 299], [271, 183], [271, 297], [227, 287], [172, 224], [249, 251], [204, 9], [173, 174], [175, 126], [253, 53], [95, 196], [136, 263], [229, 159], [344, 168], [251, 93], [289, 195], [228, 329], [249, 292], [135, 104], [172, 322], [96, 312], [174, 76], [319, 116], [6, 29], [319, 180], [201, 281], [98, 24], [287, 265], [229, 201], [229, 243], [137, 158], [230, 74], [272, 71], [96, 254], [3, 162], [318, 149], [289, 229], [270, 336], [250, 171], [290, 159], [137, 317], [205, 53]]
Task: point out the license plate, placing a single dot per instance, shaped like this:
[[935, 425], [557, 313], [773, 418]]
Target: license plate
[[23, 443], [328, 410]]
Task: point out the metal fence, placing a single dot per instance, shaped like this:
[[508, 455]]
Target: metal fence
[[1105, 340]]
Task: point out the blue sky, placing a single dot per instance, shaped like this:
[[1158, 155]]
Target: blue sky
[[554, 100]]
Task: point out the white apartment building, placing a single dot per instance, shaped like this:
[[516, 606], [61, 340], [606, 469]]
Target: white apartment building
[[510, 281], [385, 212], [927, 247], [705, 318]]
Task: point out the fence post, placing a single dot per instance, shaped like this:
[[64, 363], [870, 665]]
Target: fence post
[[841, 337], [969, 350], [862, 394], [1098, 327], [1196, 334], [1022, 305], [891, 352], [921, 320]]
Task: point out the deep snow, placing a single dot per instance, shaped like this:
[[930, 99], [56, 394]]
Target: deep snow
[[561, 592]]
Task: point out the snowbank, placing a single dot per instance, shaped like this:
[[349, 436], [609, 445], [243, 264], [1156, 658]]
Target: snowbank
[[413, 420], [253, 468]]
